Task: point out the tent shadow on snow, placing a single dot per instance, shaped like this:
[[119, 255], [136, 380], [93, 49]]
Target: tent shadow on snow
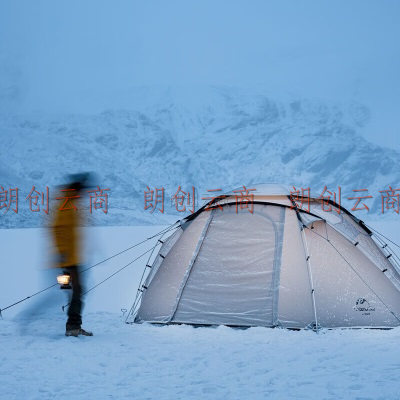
[[278, 266]]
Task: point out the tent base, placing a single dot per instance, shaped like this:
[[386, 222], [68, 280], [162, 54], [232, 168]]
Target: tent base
[[245, 327]]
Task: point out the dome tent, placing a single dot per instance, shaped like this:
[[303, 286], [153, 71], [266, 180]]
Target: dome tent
[[279, 266]]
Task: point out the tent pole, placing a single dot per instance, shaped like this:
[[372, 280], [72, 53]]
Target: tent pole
[[310, 276]]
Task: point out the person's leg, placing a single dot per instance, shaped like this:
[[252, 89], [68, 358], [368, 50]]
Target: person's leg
[[74, 311]]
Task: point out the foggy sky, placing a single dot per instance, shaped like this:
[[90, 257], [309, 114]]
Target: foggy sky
[[77, 56]]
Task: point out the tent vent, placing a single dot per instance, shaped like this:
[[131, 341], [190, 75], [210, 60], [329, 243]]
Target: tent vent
[[160, 241], [384, 270], [389, 256], [308, 257], [148, 266], [384, 245], [162, 256], [356, 243]]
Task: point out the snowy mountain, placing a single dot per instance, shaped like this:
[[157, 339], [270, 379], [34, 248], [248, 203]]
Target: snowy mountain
[[206, 137]]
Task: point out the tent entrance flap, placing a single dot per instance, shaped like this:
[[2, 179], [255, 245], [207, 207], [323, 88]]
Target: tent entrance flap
[[235, 277]]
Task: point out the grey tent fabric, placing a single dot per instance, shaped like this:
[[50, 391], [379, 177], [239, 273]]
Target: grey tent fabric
[[275, 267]]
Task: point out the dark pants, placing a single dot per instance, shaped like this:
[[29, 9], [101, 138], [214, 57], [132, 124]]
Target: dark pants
[[75, 308]]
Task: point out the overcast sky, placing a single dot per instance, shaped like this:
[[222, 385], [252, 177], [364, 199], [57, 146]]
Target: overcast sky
[[77, 55]]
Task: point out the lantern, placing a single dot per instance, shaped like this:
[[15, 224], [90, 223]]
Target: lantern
[[64, 280]]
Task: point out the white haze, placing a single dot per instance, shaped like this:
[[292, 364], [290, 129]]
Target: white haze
[[84, 57]]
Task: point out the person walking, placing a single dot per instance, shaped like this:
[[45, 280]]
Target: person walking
[[65, 230]]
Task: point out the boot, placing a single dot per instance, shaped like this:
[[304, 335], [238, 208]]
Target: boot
[[76, 332], [72, 332], [85, 333]]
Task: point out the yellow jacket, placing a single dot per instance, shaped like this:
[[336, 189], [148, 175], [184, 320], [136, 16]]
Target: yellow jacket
[[66, 237]]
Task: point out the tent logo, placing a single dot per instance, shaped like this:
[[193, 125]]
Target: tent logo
[[363, 306]]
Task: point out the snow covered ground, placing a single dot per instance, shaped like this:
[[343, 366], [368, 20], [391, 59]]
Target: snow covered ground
[[180, 362], [174, 362]]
